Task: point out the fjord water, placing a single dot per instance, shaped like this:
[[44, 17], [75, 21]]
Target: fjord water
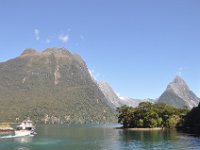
[[99, 137]]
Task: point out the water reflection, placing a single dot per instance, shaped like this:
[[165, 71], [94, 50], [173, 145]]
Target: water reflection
[[23, 148], [82, 137], [23, 139], [147, 136]]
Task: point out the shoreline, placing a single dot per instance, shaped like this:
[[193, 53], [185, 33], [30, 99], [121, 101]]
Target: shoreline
[[143, 129], [5, 127], [6, 130]]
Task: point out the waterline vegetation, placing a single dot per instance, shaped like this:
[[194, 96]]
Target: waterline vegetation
[[148, 115], [192, 121]]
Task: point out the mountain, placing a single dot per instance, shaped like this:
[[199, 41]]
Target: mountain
[[179, 95], [130, 101], [112, 99], [53, 86]]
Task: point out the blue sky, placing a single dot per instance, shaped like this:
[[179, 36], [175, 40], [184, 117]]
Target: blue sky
[[138, 46]]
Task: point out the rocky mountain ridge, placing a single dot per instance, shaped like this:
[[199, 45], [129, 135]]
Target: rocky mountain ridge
[[177, 94], [113, 100]]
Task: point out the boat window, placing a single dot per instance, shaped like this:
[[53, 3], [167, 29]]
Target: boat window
[[19, 128], [28, 128]]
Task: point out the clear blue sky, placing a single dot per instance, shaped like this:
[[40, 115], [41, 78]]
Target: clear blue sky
[[138, 46]]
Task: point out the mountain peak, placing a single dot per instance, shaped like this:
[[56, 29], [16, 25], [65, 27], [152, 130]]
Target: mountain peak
[[29, 51], [178, 84], [178, 94], [178, 79], [57, 51]]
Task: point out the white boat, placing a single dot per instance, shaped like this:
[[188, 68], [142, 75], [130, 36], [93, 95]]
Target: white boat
[[26, 128]]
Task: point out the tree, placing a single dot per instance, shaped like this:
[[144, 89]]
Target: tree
[[126, 115], [192, 120], [148, 115]]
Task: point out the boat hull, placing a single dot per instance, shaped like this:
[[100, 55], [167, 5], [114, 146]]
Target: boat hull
[[23, 132]]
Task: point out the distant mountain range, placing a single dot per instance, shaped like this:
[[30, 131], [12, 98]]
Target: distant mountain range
[[53, 86], [112, 99], [179, 95]]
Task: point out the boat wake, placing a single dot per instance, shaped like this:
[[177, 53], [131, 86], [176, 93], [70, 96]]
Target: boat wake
[[15, 136]]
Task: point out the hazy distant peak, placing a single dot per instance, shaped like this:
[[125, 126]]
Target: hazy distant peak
[[29, 51], [113, 99], [179, 80], [177, 83], [178, 94]]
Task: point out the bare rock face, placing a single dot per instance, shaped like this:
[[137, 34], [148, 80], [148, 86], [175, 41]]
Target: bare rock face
[[112, 99], [179, 95], [54, 83]]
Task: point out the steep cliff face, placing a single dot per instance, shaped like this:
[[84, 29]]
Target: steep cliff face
[[51, 86], [112, 99], [179, 95]]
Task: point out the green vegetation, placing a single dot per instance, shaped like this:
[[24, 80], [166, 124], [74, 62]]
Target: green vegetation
[[148, 115], [53, 86]]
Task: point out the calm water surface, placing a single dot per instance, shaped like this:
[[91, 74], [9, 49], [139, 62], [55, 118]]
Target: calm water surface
[[99, 137]]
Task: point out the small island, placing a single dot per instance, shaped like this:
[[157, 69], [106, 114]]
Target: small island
[[149, 116]]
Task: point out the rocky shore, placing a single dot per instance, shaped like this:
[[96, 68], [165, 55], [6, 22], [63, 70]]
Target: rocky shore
[[5, 127], [144, 129]]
